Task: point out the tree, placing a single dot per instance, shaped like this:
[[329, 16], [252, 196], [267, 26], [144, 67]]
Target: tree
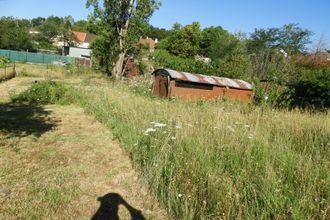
[[36, 22], [321, 44], [183, 41], [217, 42], [291, 38], [81, 26], [122, 23], [14, 34], [157, 33]]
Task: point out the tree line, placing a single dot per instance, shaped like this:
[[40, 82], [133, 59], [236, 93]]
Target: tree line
[[37, 33]]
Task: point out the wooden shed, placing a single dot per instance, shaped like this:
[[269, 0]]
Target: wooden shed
[[193, 87]]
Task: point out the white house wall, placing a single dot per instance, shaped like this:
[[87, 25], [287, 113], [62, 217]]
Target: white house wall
[[79, 52]]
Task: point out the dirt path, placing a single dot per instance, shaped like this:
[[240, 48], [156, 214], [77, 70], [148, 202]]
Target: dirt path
[[56, 162]]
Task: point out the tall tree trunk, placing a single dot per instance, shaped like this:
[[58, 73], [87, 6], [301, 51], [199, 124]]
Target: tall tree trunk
[[118, 68]]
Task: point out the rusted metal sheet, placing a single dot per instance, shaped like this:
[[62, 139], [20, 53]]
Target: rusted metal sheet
[[213, 80], [131, 69], [193, 87]]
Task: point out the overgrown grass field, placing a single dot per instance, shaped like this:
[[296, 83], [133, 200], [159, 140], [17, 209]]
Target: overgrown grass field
[[220, 159]]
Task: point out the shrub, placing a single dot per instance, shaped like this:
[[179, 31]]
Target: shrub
[[47, 92], [166, 60], [3, 61], [236, 65], [276, 95], [313, 89]]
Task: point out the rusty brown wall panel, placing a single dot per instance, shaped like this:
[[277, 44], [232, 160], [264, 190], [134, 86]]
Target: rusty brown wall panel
[[239, 95], [160, 86], [193, 94]]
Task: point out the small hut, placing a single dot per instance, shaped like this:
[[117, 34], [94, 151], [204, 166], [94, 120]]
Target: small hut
[[193, 87]]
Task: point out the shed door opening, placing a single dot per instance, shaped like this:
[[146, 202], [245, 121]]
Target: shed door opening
[[163, 87]]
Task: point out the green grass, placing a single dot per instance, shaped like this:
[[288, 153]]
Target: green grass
[[220, 159]]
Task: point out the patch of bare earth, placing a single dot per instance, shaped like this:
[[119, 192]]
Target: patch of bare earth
[[71, 170]]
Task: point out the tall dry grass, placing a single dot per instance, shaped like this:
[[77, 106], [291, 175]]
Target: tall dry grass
[[220, 160]]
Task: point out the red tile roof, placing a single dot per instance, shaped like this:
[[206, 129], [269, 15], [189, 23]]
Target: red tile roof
[[84, 37]]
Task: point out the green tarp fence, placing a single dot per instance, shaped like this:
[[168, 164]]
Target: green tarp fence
[[19, 56]]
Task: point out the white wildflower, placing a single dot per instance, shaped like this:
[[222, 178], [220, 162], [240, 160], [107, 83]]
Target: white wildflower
[[251, 136], [159, 125], [247, 126], [173, 138], [266, 98], [149, 130], [180, 195]]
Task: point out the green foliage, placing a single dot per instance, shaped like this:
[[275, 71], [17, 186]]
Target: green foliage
[[164, 59], [235, 65], [183, 41], [121, 23], [3, 61], [313, 89], [46, 92], [290, 37], [272, 65], [217, 43], [14, 34], [275, 96], [157, 33]]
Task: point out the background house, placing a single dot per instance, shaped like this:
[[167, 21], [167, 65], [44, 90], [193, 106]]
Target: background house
[[151, 43], [81, 47]]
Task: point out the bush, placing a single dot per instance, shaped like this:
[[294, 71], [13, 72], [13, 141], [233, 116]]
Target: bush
[[275, 96], [3, 61], [236, 65], [165, 60], [313, 89], [47, 92]]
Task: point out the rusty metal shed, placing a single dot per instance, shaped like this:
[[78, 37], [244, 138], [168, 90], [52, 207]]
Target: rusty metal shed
[[193, 87]]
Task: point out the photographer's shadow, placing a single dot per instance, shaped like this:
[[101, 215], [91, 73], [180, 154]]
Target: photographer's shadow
[[110, 205]]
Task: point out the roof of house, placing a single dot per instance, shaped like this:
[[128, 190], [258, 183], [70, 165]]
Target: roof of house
[[203, 79], [84, 37], [148, 41]]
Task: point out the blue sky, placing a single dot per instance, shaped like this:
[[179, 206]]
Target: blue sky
[[233, 15]]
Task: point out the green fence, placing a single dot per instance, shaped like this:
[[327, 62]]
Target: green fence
[[19, 56]]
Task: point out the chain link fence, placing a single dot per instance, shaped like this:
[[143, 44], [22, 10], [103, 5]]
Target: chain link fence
[[41, 58]]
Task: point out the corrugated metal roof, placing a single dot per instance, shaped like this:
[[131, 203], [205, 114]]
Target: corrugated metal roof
[[213, 80]]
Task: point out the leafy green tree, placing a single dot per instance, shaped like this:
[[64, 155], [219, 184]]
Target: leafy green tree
[[36, 22], [217, 42], [183, 41], [291, 38], [14, 34], [81, 26], [121, 24], [235, 64], [157, 33]]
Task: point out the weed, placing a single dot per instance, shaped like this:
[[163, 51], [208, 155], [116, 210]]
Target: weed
[[46, 92]]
